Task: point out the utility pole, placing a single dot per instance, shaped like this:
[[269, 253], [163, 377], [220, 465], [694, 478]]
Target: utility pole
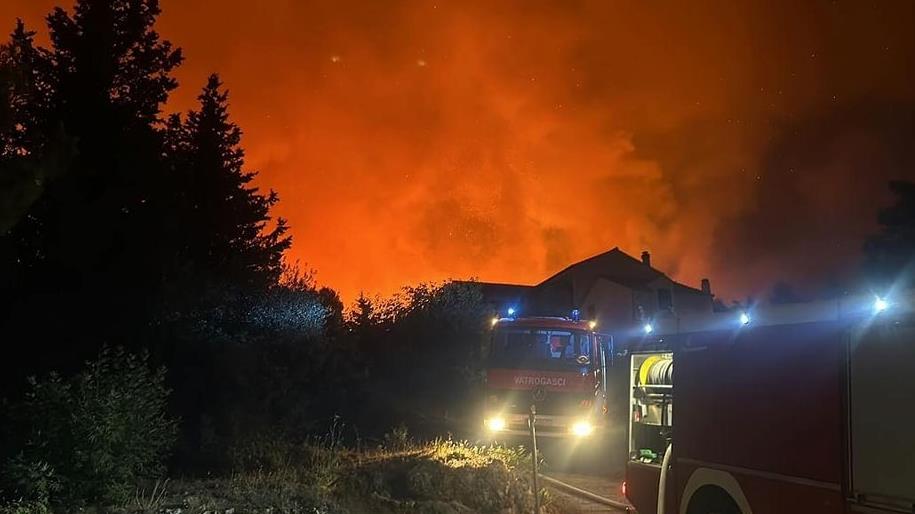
[[532, 423]]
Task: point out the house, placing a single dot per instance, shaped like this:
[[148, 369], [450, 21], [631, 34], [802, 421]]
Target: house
[[613, 288]]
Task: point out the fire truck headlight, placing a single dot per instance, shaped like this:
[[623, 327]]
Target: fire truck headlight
[[881, 305], [496, 424], [582, 428]]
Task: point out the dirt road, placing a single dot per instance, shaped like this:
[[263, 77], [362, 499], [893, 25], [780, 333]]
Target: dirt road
[[602, 484]]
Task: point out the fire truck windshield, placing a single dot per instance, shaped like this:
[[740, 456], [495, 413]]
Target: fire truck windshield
[[540, 348]]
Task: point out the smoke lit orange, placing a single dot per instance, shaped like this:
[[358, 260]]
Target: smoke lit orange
[[415, 141]]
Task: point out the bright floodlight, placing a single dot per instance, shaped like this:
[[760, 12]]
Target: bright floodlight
[[592, 324], [744, 318], [496, 424], [582, 428], [648, 328], [511, 311], [494, 321], [881, 305]]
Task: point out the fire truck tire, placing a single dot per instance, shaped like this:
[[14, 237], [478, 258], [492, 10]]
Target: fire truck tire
[[710, 499]]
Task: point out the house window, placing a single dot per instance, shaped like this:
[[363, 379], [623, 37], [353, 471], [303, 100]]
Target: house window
[[665, 302]]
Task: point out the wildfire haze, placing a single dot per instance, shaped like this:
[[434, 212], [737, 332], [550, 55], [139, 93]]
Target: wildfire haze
[[505, 140]]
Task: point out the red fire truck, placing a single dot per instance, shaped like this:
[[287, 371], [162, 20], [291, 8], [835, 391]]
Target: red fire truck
[[805, 408], [558, 363]]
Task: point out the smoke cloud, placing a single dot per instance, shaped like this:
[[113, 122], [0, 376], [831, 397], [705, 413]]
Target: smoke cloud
[[748, 142]]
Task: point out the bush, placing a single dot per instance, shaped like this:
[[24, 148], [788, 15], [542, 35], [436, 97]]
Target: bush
[[92, 437]]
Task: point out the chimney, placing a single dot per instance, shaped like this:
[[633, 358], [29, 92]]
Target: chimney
[[646, 258], [706, 286]]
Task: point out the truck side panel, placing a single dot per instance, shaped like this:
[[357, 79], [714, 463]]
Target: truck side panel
[[768, 495], [765, 399], [882, 407]]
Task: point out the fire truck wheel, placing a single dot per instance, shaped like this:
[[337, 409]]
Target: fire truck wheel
[[710, 499]]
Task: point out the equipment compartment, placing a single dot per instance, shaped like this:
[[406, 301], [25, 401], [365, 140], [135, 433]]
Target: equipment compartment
[[651, 406]]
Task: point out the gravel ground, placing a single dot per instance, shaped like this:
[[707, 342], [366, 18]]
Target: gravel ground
[[606, 485]]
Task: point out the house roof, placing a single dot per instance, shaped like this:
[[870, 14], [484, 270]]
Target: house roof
[[614, 265]]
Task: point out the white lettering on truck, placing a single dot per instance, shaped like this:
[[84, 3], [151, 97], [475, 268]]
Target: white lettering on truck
[[540, 381]]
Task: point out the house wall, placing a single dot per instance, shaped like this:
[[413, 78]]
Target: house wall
[[609, 303], [689, 301]]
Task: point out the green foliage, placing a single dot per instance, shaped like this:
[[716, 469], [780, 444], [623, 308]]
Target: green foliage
[[432, 333], [92, 437], [398, 438], [442, 476], [24, 507], [32, 484]]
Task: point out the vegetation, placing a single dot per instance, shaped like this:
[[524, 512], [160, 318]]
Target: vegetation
[[90, 438], [133, 242], [441, 476], [142, 232]]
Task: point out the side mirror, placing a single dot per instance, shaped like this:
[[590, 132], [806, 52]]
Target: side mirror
[[584, 360]]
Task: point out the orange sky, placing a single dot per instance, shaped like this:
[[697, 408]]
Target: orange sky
[[748, 142]]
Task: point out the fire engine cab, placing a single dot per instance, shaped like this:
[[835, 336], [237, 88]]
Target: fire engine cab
[[559, 364], [803, 408]]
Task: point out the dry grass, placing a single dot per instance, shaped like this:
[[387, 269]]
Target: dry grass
[[323, 477]]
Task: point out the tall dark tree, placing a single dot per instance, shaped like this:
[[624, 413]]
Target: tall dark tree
[[109, 73], [31, 153], [93, 250], [226, 237], [25, 93], [363, 313], [890, 255]]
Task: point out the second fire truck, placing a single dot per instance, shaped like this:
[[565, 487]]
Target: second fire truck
[[804, 408]]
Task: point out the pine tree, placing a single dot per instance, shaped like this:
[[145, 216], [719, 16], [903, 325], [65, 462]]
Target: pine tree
[[226, 219], [31, 153], [107, 76], [363, 313], [108, 55], [24, 91], [93, 252]]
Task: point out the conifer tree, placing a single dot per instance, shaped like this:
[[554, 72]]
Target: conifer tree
[[24, 95], [107, 74], [95, 248], [226, 222]]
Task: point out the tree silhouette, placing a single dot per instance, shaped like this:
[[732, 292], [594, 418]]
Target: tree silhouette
[[890, 255], [27, 161], [224, 217], [363, 313], [96, 243], [25, 94], [108, 74]]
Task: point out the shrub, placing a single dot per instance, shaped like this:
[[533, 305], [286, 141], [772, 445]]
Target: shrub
[[31, 484], [98, 433]]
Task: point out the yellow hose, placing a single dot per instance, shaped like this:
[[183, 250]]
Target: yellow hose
[[646, 367]]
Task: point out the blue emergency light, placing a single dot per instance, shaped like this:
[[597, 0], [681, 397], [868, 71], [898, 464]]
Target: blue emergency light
[[880, 304]]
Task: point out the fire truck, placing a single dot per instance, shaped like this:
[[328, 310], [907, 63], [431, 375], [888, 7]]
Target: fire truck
[[560, 364], [803, 408]]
